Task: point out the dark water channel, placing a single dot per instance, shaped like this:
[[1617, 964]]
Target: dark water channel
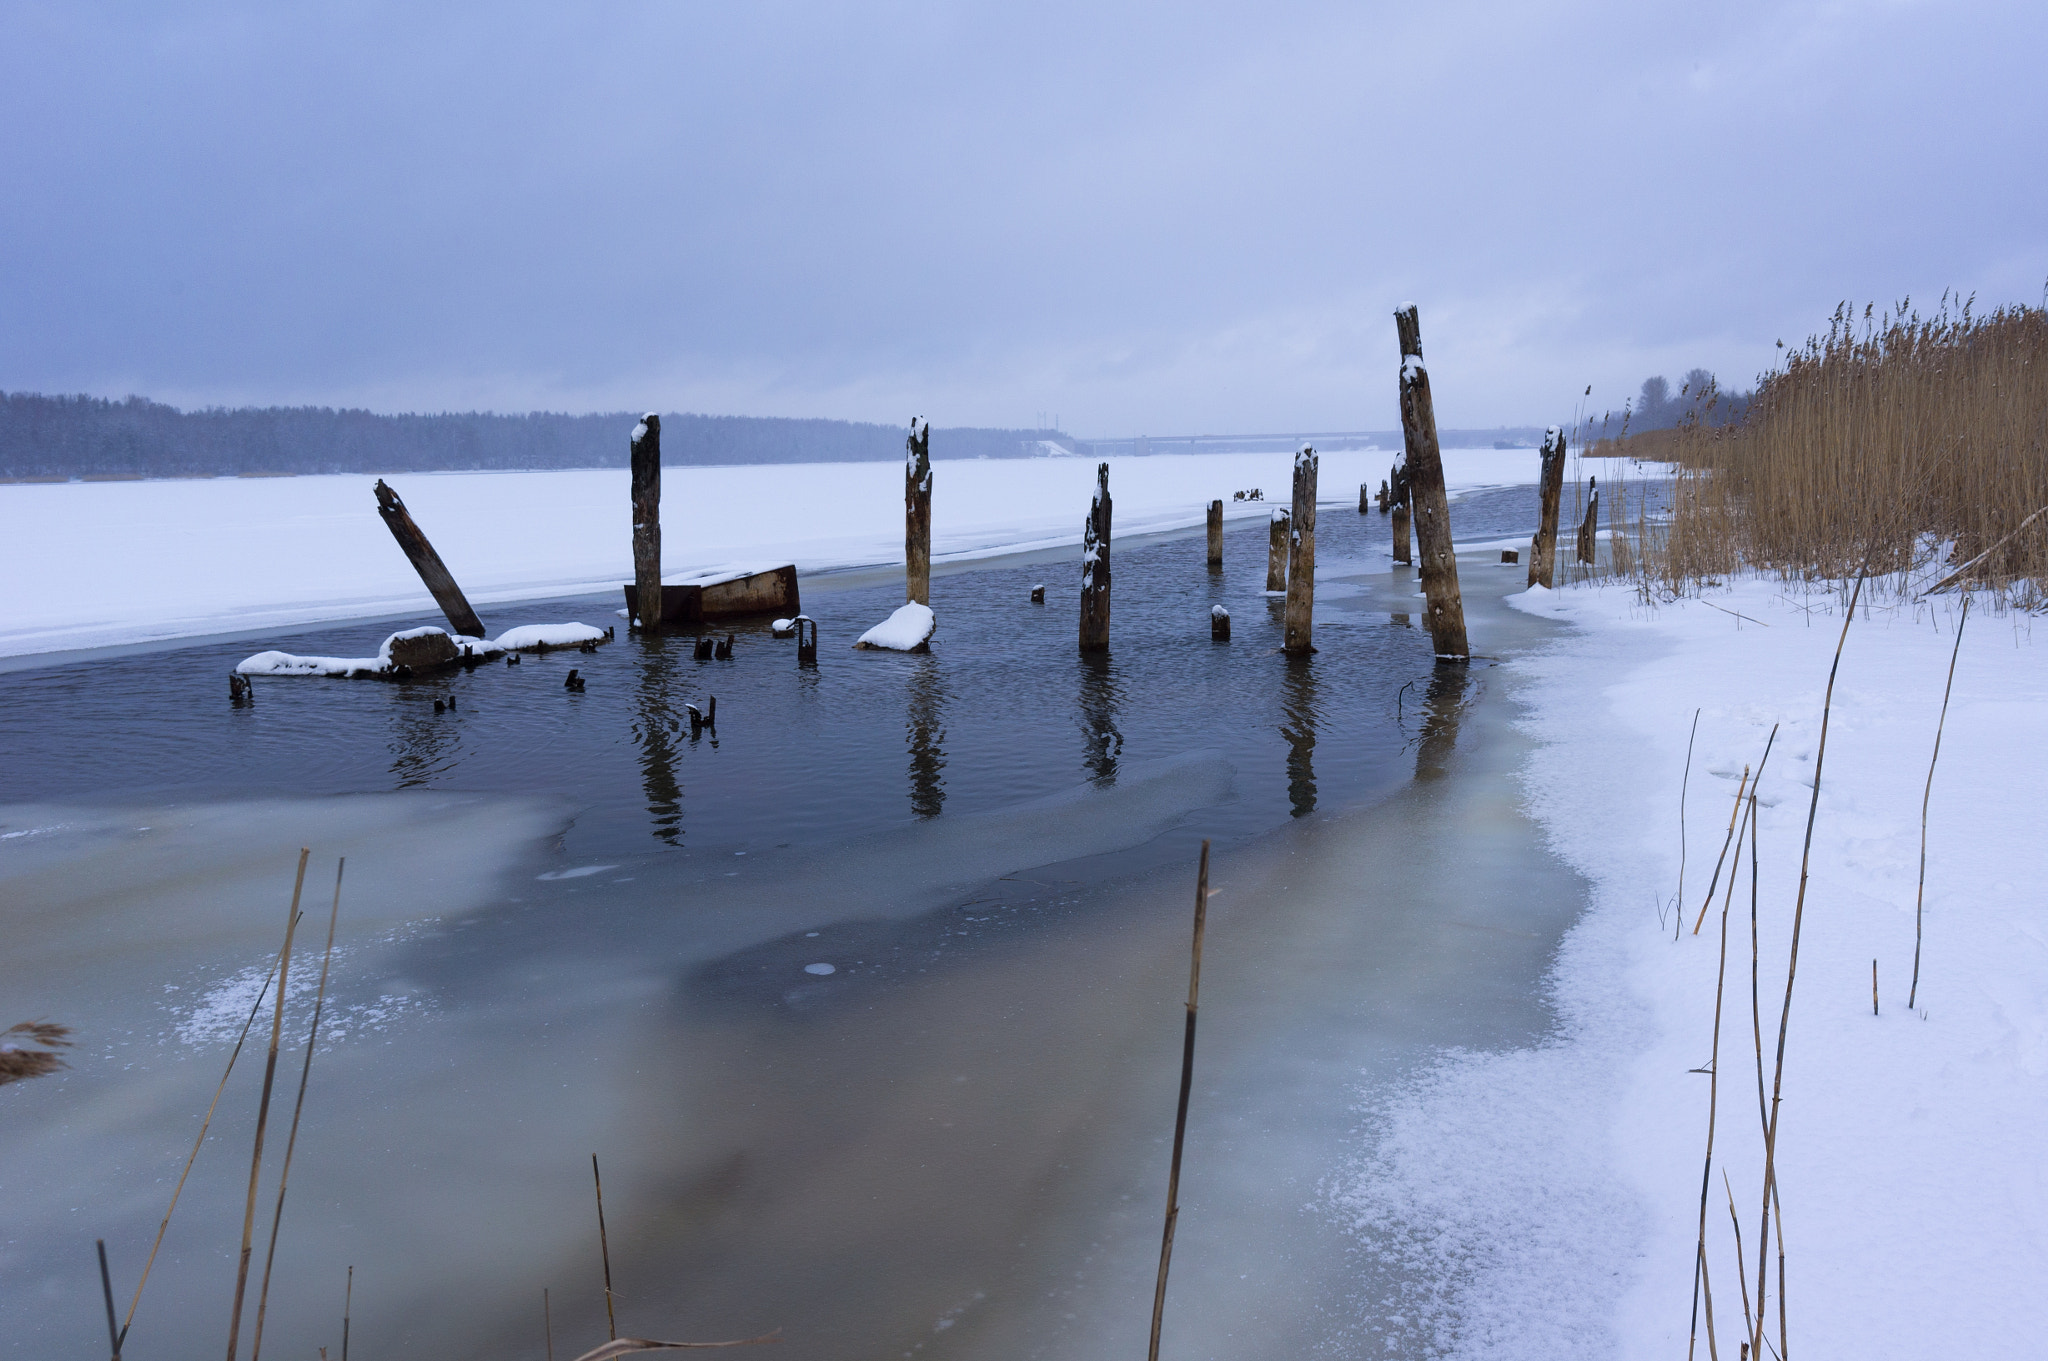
[[869, 998]]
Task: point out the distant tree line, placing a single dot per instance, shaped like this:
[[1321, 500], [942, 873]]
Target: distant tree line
[[1656, 407], [90, 436]]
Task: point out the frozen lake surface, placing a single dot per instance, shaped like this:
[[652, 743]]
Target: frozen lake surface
[[870, 1002]]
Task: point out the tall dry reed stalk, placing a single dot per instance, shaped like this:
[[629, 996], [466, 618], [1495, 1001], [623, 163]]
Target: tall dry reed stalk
[[1890, 439]]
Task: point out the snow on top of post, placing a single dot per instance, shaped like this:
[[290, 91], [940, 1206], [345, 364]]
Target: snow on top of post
[[1305, 456], [640, 430], [1282, 514], [1218, 612], [910, 626]]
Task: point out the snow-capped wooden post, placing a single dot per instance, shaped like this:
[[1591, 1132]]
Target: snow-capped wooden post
[[1301, 557], [647, 521], [1543, 550], [1095, 568], [1589, 528], [1216, 533], [917, 516], [1426, 496], [427, 563], [1276, 552]]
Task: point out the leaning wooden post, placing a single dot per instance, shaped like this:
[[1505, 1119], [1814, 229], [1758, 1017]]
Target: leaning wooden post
[[1543, 551], [1301, 557], [427, 563], [1276, 552], [1432, 506], [917, 516], [1095, 568], [1216, 533], [647, 521]]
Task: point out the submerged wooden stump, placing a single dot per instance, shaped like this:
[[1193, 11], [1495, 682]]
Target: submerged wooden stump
[[1301, 557], [1095, 568], [646, 460], [917, 516]]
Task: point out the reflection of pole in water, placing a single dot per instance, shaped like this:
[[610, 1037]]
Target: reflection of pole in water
[[1102, 743], [1443, 706], [926, 729], [1298, 728], [655, 728], [421, 740]]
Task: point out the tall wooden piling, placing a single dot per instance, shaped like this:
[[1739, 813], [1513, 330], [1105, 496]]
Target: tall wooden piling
[[917, 516], [1426, 495], [647, 521], [1397, 495], [1095, 568], [427, 563], [1276, 551], [1216, 533], [1301, 557], [1543, 551]]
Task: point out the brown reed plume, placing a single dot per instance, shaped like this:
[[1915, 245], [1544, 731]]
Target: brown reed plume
[[1882, 440], [19, 1063]]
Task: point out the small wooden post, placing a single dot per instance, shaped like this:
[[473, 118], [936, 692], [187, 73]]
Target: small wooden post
[[1301, 556], [1432, 506], [1095, 568], [1543, 552], [1219, 624], [1216, 533], [917, 516], [1364, 497], [647, 521], [1402, 553], [1276, 552], [427, 563], [1589, 528]]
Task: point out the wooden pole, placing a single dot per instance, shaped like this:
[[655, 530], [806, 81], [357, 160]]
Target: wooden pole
[[1216, 533], [1397, 497], [1543, 551], [1589, 528], [1301, 557], [1276, 551], [1095, 568], [427, 563], [647, 521], [917, 516], [1426, 495], [1364, 498], [1180, 1119], [284, 970]]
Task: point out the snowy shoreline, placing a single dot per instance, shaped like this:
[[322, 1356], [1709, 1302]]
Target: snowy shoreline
[[1558, 1188], [229, 556]]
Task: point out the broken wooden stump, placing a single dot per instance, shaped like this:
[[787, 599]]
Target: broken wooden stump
[[1219, 624], [725, 595], [241, 690], [1424, 467], [439, 581], [1589, 528], [646, 460], [1301, 557], [917, 515], [1038, 594], [1510, 555], [1216, 533], [1095, 578], [1543, 551], [701, 651], [1364, 497], [1276, 552], [806, 640]]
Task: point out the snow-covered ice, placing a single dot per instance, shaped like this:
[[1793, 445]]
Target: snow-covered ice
[[1554, 1192], [240, 554]]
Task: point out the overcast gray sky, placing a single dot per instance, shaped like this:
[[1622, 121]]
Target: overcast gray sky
[[1173, 218]]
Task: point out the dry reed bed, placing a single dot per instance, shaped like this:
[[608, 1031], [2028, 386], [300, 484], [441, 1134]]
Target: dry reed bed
[[1900, 442]]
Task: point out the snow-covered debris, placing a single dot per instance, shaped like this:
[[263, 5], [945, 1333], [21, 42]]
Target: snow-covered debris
[[546, 635], [414, 648], [907, 630]]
